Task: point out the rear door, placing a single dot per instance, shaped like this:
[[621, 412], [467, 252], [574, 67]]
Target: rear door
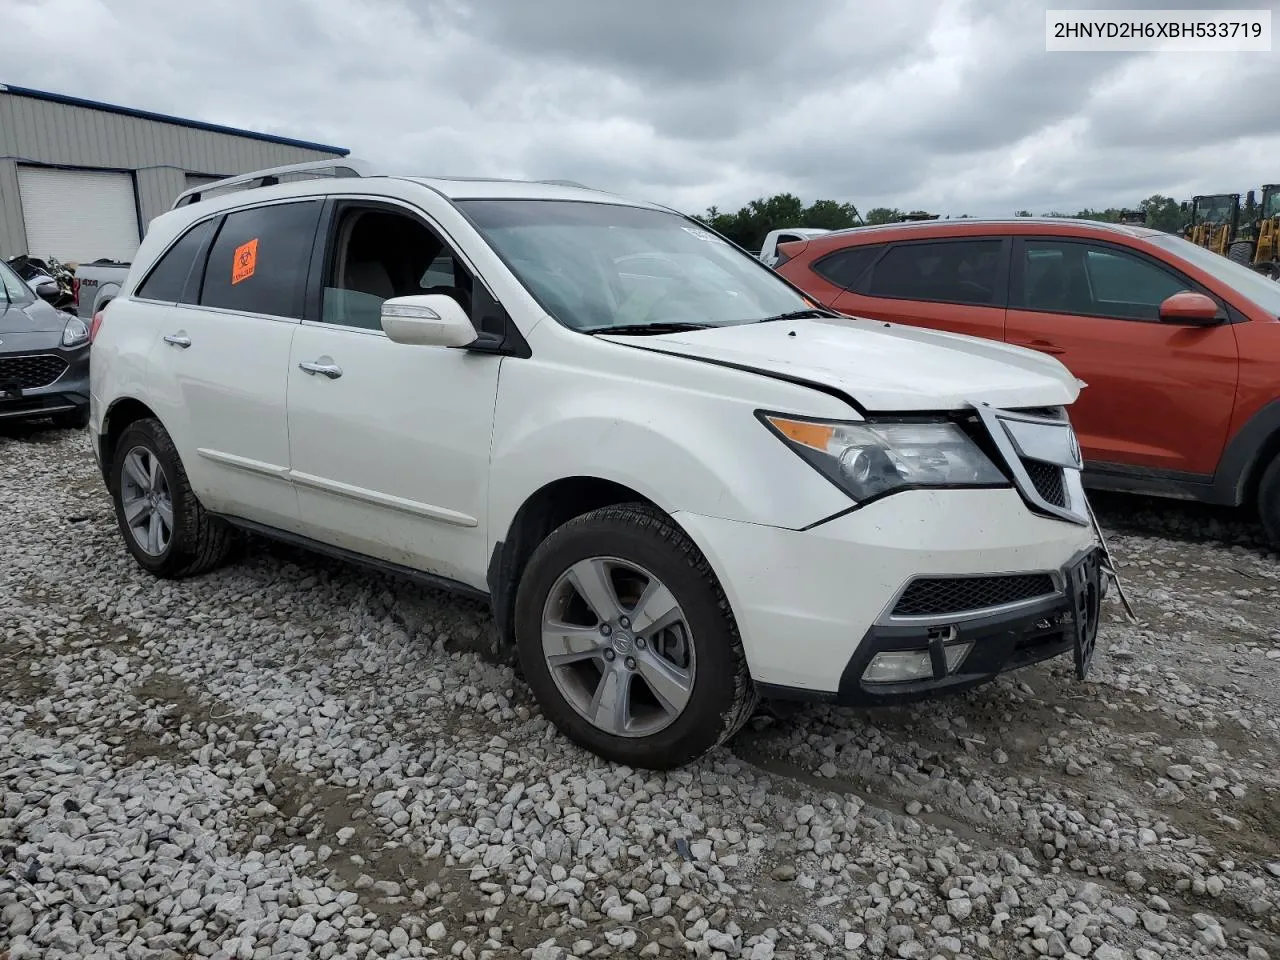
[[220, 361], [957, 284], [1159, 396]]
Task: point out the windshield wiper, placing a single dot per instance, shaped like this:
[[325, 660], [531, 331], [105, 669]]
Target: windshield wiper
[[800, 315], [657, 327]]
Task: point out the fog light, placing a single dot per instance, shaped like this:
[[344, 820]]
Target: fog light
[[898, 666], [956, 653], [894, 666]]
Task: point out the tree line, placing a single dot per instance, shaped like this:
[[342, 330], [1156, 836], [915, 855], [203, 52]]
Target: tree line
[[748, 226]]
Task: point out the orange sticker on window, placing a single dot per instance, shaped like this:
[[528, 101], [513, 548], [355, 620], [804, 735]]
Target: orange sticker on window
[[245, 261]]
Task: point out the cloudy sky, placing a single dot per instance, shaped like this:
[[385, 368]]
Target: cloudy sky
[[949, 105]]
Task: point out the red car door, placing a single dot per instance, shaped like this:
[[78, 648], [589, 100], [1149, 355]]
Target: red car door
[[957, 284], [1158, 395]]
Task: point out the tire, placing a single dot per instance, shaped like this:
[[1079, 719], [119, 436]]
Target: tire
[[1241, 252], [715, 682], [196, 541], [76, 419], [1269, 502]]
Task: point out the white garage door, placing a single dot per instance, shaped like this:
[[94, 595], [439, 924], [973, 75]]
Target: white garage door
[[79, 215]]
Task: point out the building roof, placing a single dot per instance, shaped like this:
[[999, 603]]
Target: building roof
[[165, 118]]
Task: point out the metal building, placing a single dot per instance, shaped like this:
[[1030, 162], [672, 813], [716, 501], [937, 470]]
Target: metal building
[[80, 180]]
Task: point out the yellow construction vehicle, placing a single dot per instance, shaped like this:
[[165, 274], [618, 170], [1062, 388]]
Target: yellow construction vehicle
[[1257, 243], [1214, 221]]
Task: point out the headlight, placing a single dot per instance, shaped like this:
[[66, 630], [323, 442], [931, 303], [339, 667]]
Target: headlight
[[868, 460], [75, 332]]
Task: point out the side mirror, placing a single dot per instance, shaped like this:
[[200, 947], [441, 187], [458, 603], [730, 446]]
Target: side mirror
[[1191, 309], [49, 291], [427, 320]]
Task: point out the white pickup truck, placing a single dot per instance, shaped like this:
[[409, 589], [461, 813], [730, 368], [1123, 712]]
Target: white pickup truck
[[769, 250], [96, 284]]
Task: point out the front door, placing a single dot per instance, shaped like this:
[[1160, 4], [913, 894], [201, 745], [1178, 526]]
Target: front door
[[389, 443], [1158, 396]]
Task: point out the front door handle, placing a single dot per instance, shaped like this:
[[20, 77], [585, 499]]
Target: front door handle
[[330, 370], [178, 340]]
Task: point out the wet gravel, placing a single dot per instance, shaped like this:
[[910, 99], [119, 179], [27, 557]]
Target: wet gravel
[[294, 758]]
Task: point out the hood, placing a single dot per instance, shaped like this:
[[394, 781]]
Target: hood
[[34, 317], [884, 368]]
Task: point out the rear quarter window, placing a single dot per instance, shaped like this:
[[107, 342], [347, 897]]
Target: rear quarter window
[[169, 280], [845, 267]]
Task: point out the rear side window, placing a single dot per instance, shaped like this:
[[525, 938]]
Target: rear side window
[[168, 280], [258, 263], [953, 271], [845, 267]]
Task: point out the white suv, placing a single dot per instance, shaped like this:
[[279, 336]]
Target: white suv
[[679, 485]]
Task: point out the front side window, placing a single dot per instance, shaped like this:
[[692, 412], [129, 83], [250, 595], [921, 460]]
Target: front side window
[[952, 271], [258, 262], [1091, 280], [601, 266], [379, 254], [170, 279]]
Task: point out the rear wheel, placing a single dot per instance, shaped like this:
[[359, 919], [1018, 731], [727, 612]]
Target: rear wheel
[[1269, 502], [627, 640], [1241, 252], [164, 526]]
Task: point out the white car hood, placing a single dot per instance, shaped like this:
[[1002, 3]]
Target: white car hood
[[882, 367]]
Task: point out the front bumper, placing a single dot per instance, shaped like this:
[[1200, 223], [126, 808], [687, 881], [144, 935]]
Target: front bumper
[[813, 607], [67, 393], [985, 645]]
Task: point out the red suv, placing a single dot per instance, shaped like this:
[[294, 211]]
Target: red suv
[[1179, 347]]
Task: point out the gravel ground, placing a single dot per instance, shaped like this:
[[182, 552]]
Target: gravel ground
[[294, 758]]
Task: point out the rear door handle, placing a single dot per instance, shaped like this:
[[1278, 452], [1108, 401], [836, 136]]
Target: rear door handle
[[1044, 346], [330, 370], [178, 340]]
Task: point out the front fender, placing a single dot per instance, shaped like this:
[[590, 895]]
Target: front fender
[[682, 448]]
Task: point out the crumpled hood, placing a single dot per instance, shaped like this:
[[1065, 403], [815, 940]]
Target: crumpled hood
[[882, 367], [34, 317]]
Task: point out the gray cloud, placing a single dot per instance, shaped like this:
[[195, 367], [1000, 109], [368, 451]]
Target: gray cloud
[[950, 105]]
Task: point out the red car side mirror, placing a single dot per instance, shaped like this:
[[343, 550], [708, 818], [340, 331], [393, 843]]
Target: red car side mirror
[[1192, 309]]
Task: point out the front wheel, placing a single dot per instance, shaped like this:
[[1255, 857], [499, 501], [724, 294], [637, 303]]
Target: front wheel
[[1241, 252], [628, 642]]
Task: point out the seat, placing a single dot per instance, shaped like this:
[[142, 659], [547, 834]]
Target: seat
[[371, 277]]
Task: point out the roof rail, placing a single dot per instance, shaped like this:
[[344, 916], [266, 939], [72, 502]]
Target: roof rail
[[565, 183], [345, 167]]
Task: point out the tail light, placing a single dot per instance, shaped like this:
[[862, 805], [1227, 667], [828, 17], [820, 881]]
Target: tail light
[[94, 325], [75, 290]]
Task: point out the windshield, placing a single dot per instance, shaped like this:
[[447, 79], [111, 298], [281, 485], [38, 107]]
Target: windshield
[[1271, 204], [604, 266], [1263, 291], [1214, 209], [15, 288]]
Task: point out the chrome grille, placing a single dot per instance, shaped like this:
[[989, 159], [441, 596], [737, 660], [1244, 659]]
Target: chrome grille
[[28, 373], [938, 596]]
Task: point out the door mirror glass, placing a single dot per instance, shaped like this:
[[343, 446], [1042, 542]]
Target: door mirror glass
[[428, 320], [1187, 307]]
